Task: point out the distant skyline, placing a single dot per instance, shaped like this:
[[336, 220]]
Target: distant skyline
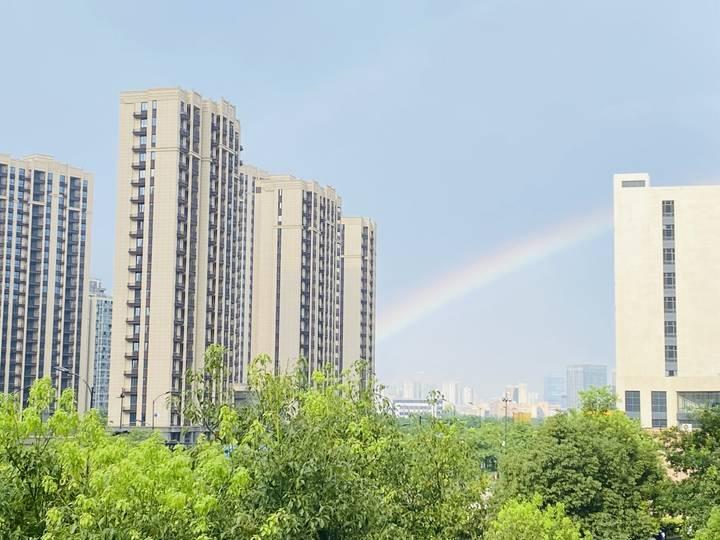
[[462, 128]]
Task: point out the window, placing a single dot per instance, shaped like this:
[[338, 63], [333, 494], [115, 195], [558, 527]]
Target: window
[[154, 104], [633, 183], [669, 255], [143, 106], [671, 353], [669, 232], [668, 208], [632, 404], [670, 328], [670, 304], [669, 280]]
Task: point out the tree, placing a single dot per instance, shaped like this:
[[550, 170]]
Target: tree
[[526, 520], [711, 531], [209, 395], [696, 456], [602, 468], [598, 400]]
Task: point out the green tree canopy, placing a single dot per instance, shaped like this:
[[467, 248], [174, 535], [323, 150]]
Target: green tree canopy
[[527, 520], [602, 468], [695, 456]]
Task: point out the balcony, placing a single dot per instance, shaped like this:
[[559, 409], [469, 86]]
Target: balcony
[[135, 302], [131, 372], [135, 268], [140, 216], [137, 199], [139, 165], [137, 182], [138, 233], [134, 285], [138, 148], [134, 355], [140, 132], [135, 320], [140, 115]]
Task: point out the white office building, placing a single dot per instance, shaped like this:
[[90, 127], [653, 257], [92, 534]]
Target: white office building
[[667, 295]]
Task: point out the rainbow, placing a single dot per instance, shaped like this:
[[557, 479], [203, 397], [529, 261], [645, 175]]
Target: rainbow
[[488, 268]]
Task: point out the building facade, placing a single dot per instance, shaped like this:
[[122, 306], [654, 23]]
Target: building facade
[[667, 293], [98, 337], [357, 282], [554, 391], [582, 377], [45, 222], [181, 261], [297, 269]]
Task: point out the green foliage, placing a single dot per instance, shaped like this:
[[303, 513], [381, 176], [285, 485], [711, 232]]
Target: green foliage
[[598, 400], [208, 394], [518, 520], [602, 468], [711, 531], [696, 456], [319, 459]]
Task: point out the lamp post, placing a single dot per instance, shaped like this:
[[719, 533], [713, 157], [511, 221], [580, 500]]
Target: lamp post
[[153, 407], [122, 405], [90, 389], [505, 400]]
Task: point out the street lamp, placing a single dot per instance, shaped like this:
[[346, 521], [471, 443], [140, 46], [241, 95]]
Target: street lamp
[[505, 400], [90, 389], [153, 407], [122, 406]]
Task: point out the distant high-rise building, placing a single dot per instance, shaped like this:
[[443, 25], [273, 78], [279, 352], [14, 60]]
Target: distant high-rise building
[[296, 283], [357, 282], [412, 390], [667, 296], [182, 270], [582, 377], [98, 336], [451, 392], [517, 393], [554, 391], [467, 396], [45, 216]]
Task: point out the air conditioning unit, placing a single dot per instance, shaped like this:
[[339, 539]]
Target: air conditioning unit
[[686, 427]]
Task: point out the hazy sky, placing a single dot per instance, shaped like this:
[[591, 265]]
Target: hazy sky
[[461, 127]]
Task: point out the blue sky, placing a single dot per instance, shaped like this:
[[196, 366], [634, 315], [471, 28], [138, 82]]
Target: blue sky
[[459, 126]]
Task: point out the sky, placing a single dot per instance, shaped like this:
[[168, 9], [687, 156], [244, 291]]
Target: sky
[[469, 130]]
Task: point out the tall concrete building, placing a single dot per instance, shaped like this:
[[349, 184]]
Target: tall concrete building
[[582, 377], [667, 295], [357, 282], [45, 217], [296, 283], [98, 338], [181, 262]]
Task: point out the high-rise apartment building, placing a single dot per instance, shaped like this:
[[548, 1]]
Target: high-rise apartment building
[[181, 263], [45, 216], [582, 377], [357, 282], [451, 392], [667, 295], [98, 338], [517, 393], [297, 269]]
